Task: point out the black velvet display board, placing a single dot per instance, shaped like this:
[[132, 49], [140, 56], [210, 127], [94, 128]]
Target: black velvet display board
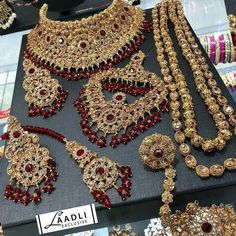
[[147, 185]]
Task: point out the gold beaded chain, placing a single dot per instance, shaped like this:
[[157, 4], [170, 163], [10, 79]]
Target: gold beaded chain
[[217, 104]]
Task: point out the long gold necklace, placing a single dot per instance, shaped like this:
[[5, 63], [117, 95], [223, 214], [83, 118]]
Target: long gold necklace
[[222, 113]]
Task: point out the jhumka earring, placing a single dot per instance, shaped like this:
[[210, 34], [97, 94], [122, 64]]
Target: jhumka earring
[[44, 95], [7, 15], [115, 117], [158, 152], [29, 165]]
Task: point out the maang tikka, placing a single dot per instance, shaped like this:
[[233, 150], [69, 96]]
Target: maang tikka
[[115, 117], [30, 165]]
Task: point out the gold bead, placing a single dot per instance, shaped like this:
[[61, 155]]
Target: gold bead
[[197, 140], [219, 143], [208, 145], [232, 120], [202, 171], [167, 197], [179, 137], [174, 105], [190, 132], [165, 210], [184, 149], [174, 95], [175, 115], [216, 170], [222, 100], [225, 134], [191, 161], [176, 125], [190, 123], [228, 110], [230, 164]]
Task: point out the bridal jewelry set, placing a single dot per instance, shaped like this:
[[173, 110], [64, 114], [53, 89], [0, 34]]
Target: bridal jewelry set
[[88, 49]]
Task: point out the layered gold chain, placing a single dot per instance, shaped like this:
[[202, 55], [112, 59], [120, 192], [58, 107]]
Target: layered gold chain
[[217, 104]]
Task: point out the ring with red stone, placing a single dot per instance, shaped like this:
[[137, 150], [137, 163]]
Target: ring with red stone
[[157, 151]]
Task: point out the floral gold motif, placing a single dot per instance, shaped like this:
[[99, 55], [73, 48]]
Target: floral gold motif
[[116, 116], [157, 151], [73, 49]]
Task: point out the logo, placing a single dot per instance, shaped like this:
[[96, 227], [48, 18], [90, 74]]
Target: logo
[[66, 219]]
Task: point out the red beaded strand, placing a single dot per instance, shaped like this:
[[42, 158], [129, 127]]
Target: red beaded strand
[[38, 130]]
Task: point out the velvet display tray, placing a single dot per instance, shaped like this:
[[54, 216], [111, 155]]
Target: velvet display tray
[[147, 185]]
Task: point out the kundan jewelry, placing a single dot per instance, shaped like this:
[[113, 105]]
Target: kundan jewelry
[[158, 152], [30, 165], [196, 221], [44, 95], [222, 113], [77, 49], [116, 117], [7, 15]]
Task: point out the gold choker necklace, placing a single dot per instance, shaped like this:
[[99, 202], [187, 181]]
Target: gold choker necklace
[[77, 49]]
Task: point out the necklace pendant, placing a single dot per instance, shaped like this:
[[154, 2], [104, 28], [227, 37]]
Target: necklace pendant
[[117, 116]]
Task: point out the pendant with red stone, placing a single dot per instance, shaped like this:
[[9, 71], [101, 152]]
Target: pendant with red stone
[[29, 166], [120, 121], [101, 174]]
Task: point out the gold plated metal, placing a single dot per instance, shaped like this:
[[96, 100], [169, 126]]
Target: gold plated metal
[[218, 107]]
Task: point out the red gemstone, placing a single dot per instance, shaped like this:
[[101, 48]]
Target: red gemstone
[[119, 97], [40, 33], [29, 167], [80, 152], [83, 45], [61, 40], [51, 163], [47, 38], [31, 70], [102, 32], [16, 134], [206, 227], [123, 17], [110, 117], [100, 171], [116, 26], [43, 92], [126, 8], [158, 153]]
